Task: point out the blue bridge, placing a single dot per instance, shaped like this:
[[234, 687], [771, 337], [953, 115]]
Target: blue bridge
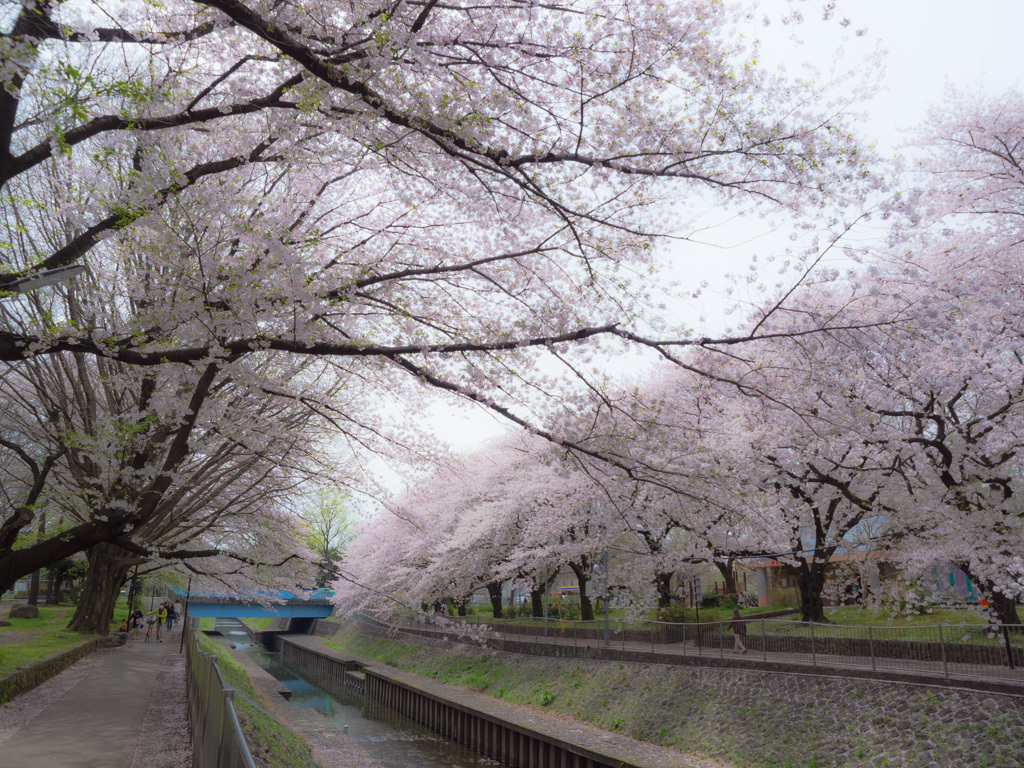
[[280, 604]]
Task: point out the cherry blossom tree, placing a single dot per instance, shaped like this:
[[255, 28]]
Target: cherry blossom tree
[[416, 193], [451, 181]]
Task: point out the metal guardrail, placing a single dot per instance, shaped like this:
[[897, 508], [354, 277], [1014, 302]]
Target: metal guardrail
[[952, 651], [217, 740]]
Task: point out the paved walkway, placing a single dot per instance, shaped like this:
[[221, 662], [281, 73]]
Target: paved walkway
[[97, 722]]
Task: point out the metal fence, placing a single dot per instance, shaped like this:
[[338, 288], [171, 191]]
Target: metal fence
[[217, 740], [952, 651]]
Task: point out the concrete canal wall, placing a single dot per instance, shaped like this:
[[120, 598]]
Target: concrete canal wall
[[506, 733]]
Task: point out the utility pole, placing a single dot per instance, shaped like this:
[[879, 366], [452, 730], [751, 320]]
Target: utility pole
[[184, 618]]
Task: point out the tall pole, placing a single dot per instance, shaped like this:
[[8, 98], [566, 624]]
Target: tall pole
[[547, 588], [184, 622], [607, 633]]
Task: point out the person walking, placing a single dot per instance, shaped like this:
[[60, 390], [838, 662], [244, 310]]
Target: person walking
[[157, 617], [171, 615], [739, 628]]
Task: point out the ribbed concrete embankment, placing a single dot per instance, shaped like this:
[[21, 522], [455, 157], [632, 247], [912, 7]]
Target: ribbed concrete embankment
[[758, 718], [471, 713]]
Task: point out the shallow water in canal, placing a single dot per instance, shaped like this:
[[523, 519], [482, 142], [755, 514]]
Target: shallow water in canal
[[391, 739]]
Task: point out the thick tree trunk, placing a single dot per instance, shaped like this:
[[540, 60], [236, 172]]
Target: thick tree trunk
[[33, 588], [537, 595], [494, 593], [33, 582], [728, 574], [537, 602], [663, 586], [582, 569], [108, 568], [460, 606], [56, 583], [1004, 609], [810, 580]]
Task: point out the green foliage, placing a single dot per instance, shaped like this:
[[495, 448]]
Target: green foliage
[[566, 608], [677, 612], [524, 611], [328, 522], [719, 601]]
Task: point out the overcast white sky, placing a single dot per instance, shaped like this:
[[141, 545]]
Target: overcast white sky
[[929, 46]]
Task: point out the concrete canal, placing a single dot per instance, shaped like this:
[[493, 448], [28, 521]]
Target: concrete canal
[[391, 739]]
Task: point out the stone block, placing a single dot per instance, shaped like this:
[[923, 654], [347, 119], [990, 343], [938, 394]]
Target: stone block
[[24, 612]]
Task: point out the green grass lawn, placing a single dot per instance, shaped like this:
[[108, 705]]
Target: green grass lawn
[[47, 637], [261, 622]]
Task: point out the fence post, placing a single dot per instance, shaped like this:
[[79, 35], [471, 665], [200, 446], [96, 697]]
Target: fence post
[[721, 647], [652, 637], [871, 648], [814, 655], [1009, 649], [942, 645], [764, 643]]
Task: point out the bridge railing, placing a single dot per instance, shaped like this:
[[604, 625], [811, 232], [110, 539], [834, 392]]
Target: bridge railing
[[217, 740]]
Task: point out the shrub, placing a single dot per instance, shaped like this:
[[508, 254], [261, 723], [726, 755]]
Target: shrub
[[719, 601], [517, 611], [676, 612], [570, 610]]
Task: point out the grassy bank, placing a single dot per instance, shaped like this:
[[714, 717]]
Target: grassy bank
[[270, 743], [261, 622], [29, 640], [753, 719]]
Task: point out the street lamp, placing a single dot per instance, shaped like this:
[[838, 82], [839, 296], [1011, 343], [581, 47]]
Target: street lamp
[[42, 279]]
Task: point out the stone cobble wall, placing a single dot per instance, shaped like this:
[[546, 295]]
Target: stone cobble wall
[[764, 719], [784, 720]]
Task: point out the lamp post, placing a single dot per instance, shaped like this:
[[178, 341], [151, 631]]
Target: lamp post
[[42, 279]]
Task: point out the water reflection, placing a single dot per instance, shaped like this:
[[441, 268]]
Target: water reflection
[[391, 739]]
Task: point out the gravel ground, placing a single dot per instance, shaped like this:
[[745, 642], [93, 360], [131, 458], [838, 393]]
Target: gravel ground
[[164, 741], [19, 711]]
